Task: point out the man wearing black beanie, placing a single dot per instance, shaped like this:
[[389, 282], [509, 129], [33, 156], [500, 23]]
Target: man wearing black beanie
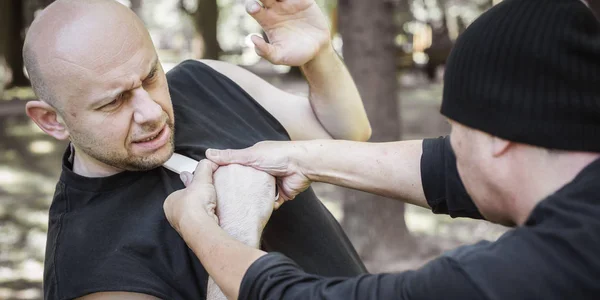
[[522, 93]]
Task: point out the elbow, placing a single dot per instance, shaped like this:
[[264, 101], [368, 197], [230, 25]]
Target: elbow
[[365, 134], [357, 131], [365, 131], [362, 134]]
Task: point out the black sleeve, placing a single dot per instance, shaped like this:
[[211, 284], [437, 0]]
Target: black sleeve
[[275, 276], [442, 185]]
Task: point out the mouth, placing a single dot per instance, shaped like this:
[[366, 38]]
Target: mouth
[[155, 140], [152, 137]]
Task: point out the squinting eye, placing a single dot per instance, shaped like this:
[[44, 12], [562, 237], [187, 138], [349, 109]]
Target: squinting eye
[[152, 74], [113, 103]]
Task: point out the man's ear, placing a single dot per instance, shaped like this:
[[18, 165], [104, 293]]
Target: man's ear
[[47, 118], [500, 146]]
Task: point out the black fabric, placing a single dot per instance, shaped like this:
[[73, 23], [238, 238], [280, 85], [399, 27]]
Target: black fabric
[[445, 192], [528, 71], [275, 276], [110, 234], [553, 256]]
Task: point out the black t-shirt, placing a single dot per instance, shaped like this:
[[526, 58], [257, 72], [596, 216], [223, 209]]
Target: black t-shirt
[[555, 255], [110, 234]]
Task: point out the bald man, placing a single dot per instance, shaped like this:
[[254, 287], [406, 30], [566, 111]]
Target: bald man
[[101, 86]]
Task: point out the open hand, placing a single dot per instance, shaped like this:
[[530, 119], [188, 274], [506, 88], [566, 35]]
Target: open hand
[[275, 158], [297, 30]]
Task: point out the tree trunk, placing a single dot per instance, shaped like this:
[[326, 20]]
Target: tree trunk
[[441, 44], [375, 224], [11, 40], [205, 19]]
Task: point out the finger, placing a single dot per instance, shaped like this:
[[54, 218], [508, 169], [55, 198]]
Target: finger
[[254, 8], [226, 157], [212, 211], [278, 204], [186, 178], [204, 173], [265, 50], [258, 12], [268, 3], [283, 196]]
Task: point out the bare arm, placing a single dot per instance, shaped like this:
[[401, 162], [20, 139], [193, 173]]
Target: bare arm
[[236, 185], [190, 212], [224, 257], [334, 97], [299, 35], [334, 108], [388, 169]]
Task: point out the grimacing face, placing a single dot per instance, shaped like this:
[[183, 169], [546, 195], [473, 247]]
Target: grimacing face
[[130, 129], [100, 85], [116, 102]]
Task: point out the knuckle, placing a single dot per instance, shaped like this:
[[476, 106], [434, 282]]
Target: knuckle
[[228, 154]]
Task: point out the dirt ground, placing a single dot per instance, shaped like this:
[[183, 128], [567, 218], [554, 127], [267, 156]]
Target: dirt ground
[[30, 166]]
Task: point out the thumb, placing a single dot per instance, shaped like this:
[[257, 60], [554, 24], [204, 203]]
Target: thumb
[[265, 50], [203, 173], [226, 157], [186, 178]]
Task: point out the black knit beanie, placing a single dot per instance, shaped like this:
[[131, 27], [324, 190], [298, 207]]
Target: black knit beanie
[[529, 71]]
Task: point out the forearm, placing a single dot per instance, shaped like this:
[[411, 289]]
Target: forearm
[[335, 98], [242, 234], [388, 169], [224, 258], [236, 186]]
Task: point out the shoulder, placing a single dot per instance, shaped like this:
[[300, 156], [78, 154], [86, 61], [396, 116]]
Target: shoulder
[[103, 243], [213, 76], [230, 74], [190, 68], [206, 67], [530, 262]]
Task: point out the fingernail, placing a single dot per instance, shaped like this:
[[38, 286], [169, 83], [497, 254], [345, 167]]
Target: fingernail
[[258, 51], [184, 177], [253, 7], [212, 153]]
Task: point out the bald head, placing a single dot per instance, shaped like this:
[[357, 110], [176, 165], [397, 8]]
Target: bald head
[[72, 39], [93, 65]]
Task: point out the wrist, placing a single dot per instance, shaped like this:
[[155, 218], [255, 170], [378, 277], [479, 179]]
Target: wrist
[[325, 55], [189, 224], [247, 234], [312, 158]]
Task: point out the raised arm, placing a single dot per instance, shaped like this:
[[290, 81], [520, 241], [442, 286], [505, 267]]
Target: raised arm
[[299, 35], [236, 185]]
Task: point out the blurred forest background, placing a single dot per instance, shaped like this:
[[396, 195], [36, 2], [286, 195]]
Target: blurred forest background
[[395, 49]]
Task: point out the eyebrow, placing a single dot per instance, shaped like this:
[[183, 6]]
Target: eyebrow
[[114, 93]]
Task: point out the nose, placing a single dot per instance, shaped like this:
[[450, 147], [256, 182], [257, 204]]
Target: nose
[[145, 109]]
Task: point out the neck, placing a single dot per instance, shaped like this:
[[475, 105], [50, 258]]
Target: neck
[[544, 177], [88, 166]]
